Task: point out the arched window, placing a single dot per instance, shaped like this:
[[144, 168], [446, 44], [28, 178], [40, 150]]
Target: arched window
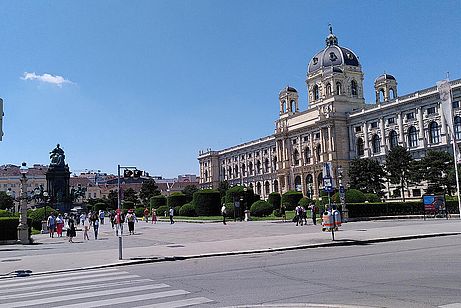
[[274, 166], [243, 170], [298, 186], [206, 175], [292, 106], [307, 155], [236, 171], [315, 92], [266, 165], [309, 183], [328, 89], [250, 168], [258, 188], [276, 186], [393, 139], [258, 167], [354, 88], [412, 137], [318, 151], [391, 93], [376, 143], [360, 147], [229, 172], [267, 187], [296, 157], [339, 89], [381, 95], [320, 180], [457, 127], [434, 133], [284, 106]]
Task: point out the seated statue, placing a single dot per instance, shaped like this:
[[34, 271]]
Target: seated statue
[[57, 156]]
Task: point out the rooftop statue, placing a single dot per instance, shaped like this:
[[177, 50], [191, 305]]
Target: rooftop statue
[[57, 156]]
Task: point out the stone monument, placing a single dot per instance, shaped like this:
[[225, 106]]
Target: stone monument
[[57, 180]]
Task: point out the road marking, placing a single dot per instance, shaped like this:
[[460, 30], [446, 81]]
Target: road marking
[[454, 305], [127, 299], [180, 303]]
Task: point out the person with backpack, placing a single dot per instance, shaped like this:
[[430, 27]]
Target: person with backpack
[[131, 218], [171, 215]]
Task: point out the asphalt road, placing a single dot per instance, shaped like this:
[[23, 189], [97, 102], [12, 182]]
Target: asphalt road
[[411, 273]]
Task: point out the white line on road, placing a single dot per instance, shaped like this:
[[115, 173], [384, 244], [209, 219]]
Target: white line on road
[[127, 299], [180, 303]]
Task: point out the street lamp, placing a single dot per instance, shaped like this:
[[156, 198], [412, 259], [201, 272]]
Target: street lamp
[[23, 229]]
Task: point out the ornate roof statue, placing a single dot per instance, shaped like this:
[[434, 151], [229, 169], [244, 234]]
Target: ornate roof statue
[[57, 157]]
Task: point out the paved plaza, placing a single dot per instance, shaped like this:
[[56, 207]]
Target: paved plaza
[[183, 240]]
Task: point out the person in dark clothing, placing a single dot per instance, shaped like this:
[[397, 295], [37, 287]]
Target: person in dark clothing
[[313, 213]]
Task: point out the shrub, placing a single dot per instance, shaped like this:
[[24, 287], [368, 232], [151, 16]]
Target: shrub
[[188, 210], [385, 209], [238, 192], [139, 211], [128, 205], [370, 197], [207, 202], [38, 215], [99, 206], [275, 200], [290, 199], [230, 210], [261, 208], [304, 202], [277, 213], [157, 201], [5, 213], [161, 210], [176, 210], [176, 199], [9, 228], [452, 206], [354, 196]]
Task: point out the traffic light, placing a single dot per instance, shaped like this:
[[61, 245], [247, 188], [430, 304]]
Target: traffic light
[[127, 173], [137, 173]]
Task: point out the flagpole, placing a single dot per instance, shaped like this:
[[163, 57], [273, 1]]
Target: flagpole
[[456, 171]]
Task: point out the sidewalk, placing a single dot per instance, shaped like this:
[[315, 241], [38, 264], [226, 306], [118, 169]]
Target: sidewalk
[[165, 242]]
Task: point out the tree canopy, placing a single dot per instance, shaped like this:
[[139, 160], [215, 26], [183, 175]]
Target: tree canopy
[[130, 195], [366, 175], [399, 168], [6, 201], [148, 189], [189, 192], [435, 169]]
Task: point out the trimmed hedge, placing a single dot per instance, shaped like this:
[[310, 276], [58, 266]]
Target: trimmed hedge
[[9, 228], [176, 199], [161, 211], [99, 206], [5, 213], [139, 211], [261, 208], [157, 201], [188, 210], [370, 197], [394, 208], [38, 215], [127, 205], [176, 210], [304, 202], [207, 202], [275, 199], [290, 199]]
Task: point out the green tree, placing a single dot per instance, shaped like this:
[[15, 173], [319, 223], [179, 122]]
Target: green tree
[[113, 199], [189, 192], [399, 169], [130, 195], [435, 168], [6, 201], [366, 175], [223, 187], [148, 189]]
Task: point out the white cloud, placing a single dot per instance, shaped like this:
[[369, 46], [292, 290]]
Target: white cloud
[[48, 78]]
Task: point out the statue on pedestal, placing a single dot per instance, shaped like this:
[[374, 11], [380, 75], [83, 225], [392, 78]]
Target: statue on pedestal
[[57, 157]]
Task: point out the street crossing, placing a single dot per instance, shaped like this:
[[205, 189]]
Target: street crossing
[[93, 288]]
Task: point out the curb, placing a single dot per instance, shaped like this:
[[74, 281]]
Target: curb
[[142, 260]]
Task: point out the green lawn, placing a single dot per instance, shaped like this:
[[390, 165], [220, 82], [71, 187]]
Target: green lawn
[[290, 215]]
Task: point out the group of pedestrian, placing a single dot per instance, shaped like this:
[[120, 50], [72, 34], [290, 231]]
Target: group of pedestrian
[[301, 214], [55, 224]]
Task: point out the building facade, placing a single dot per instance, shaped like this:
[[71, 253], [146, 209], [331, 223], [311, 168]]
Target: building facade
[[336, 127]]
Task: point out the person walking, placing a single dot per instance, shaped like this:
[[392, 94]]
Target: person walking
[[82, 218], [51, 224], [154, 216], [101, 216], [59, 225], [96, 228], [130, 218], [86, 228], [171, 215], [71, 229], [146, 215], [313, 213], [283, 213], [299, 215], [304, 211], [223, 213]]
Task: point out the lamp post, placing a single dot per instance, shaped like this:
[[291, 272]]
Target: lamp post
[[23, 229], [247, 212], [342, 195]]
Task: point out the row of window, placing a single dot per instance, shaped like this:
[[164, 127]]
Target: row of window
[[412, 137], [316, 91]]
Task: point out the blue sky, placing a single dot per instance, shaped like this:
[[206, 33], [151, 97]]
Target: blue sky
[[150, 83]]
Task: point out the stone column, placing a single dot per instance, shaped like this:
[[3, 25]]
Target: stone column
[[401, 134]]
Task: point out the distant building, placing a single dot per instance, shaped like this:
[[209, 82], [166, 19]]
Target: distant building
[[336, 127]]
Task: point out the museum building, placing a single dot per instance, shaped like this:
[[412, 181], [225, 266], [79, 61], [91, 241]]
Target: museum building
[[336, 127]]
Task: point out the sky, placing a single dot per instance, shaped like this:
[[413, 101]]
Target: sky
[[151, 83]]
